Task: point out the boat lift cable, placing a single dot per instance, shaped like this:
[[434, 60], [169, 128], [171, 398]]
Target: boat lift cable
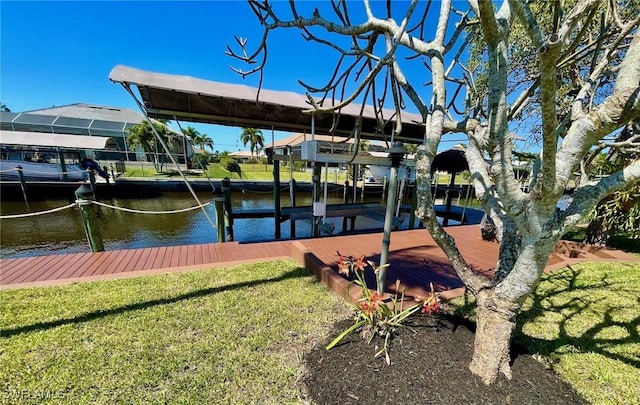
[[213, 188], [33, 214], [166, 149]]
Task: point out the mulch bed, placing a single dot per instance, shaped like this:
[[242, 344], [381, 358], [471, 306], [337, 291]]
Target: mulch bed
[[429, 365]]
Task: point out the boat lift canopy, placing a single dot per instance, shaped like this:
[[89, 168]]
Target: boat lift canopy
[[183, 97], [50, 140]]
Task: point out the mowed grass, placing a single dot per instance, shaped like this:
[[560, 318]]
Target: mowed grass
[[584, 323], [225, 335]]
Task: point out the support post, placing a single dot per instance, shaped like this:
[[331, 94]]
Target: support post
[[63, 166], [104, 168], [276, 199], [292, 201], [85, 198], [345, 199], [354, 174], [23, 184], [396, 154], [317, 169], [228, 213], [386, 236], [448, 200], [92, 181], [219, 204]]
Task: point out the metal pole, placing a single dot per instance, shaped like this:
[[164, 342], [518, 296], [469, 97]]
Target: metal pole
[[85, 198], [396, 154], [276, 198], [345, 199], [23, 184], [292, 201], [92, 181], [315, 229], [63, 166], [386, 237], [228, 214]]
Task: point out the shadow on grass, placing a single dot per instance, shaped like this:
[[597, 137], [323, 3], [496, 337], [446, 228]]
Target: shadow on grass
[[589, 341], [296, 273]]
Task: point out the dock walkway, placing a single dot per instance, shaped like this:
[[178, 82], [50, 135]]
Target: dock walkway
[[415, 260]]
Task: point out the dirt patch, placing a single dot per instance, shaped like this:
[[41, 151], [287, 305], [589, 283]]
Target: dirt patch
[[429, 365]]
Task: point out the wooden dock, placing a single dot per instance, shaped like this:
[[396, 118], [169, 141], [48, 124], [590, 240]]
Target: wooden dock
[[415, 260]]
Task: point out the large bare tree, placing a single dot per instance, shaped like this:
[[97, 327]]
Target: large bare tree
[[379, 48]]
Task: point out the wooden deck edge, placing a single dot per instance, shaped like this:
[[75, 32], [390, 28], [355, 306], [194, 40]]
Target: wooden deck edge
[[132, 274], [325, 274]]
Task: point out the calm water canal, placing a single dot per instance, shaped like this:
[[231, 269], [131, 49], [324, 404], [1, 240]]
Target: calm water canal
[[62, 232]]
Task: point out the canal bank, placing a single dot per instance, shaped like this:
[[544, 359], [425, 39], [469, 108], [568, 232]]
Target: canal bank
[[131, 186]]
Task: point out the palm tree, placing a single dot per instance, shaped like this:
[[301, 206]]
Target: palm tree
[[203, 140], [191, 133], [198, 139], [142, 135], [254, 137]]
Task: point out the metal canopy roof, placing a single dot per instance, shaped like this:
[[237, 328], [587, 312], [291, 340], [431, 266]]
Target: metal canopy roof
[[65, 141], [172, 96]]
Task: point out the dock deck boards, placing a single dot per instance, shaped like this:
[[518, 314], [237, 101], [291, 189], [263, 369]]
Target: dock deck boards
[[415, 259]]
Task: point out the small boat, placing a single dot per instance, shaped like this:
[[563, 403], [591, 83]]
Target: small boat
[[40, 171]]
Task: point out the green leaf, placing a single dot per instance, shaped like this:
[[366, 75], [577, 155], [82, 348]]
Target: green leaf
[[345, 333]]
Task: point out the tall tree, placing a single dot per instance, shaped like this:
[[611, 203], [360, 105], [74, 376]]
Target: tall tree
[[198, 139], [381, 55], [254, 138], [204, 141], [142, 135]]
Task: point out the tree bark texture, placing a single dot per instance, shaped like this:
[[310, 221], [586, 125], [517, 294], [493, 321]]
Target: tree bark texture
[[496, 320]]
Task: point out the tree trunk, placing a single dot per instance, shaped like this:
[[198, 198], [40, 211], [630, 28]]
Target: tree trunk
[[496, 320]]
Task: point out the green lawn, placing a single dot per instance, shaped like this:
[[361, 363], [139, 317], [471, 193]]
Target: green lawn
[[231, 335], [250, 171], [237, 335], [583, 322]]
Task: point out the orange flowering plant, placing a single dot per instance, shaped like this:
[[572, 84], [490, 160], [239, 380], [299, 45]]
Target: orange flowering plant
[[376, 316]]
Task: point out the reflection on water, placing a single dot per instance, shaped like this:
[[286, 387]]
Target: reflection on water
[[62, 232]]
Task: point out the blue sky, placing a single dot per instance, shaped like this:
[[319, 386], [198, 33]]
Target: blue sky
[[57, 53]]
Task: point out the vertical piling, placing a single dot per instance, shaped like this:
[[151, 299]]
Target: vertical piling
[[85, 198], [317, 169], [23, 184], [219, 204], [292, 201], [228, 214], [345, 199], [92, 181], [63, 166], [276, 199]]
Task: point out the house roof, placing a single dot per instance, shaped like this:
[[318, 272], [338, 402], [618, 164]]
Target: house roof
[[241, 153], [91, 112], [191, 99], [297, 139]]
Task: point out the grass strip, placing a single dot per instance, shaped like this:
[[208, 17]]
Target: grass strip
[[224, 335], [582, 321]]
